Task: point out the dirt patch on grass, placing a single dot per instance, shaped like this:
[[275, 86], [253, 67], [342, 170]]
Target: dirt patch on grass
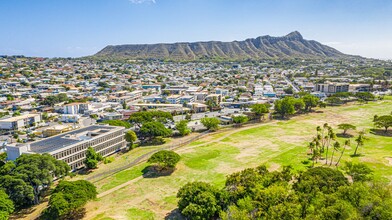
[[389, 159], [185, 150], [226, 168], [296, 139], [273, 167]]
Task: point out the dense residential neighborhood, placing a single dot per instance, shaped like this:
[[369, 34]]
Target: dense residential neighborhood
[[70, 117], [41, 97]]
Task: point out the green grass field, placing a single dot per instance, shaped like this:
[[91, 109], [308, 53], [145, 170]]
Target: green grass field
[[213, 157]]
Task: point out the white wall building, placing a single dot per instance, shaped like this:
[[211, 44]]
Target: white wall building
[[19, 122]]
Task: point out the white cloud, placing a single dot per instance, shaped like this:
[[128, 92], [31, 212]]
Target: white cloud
[[142, 1]]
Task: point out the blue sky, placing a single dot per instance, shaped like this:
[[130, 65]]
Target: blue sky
[[73, 28]]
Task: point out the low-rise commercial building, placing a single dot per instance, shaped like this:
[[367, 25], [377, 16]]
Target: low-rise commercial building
[[20, 122], [57, 129]]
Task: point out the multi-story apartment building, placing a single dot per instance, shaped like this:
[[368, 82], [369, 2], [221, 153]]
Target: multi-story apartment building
[[330, 88], [71, 147], [19, 122], [76, 108], [129, 97]]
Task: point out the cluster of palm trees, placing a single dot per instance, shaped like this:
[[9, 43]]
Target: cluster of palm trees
[[325, 141]]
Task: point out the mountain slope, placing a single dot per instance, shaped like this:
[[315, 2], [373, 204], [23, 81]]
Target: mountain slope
[[291, 45]]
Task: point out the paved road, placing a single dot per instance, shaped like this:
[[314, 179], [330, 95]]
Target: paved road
[[296, 89], [198, 116]]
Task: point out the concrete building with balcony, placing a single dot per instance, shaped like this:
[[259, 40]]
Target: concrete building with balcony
[[71, 147]]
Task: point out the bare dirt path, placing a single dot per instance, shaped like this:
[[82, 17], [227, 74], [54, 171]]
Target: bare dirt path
[[102, 194], [229, 133]]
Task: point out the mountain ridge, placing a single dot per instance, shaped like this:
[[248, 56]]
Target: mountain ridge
[[292, 45]]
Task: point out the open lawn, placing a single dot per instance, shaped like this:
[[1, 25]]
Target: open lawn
[[212, 158]]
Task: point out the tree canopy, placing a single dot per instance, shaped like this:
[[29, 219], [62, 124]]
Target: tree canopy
[[164, 159], [199, 200], [130, 137], [6, 205], [240, 119], [345, 127], [211, 124], [153, 129], [30, 174], [182, 127], [139, 118], [68, 199], [124, 124], [92, 158], [256, 193], [310, 101], [259, 109], [384, 121], [285, 106], [54, 99]]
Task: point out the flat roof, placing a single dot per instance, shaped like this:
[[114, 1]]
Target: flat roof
[[69, 138], [157, 105], [17, 118]]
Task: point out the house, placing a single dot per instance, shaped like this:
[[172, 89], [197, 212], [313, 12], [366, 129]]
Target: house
[[68, 118], [173, 99], [217, 98], [113, 116], [187, 99], [197, 107]]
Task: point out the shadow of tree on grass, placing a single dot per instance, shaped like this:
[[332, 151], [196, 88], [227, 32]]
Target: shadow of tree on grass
[[154, 171], [174, 215], [381, 132]]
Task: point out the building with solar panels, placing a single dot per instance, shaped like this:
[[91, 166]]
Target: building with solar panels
[[71, 146]]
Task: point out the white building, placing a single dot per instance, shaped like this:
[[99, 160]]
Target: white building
[[76, 108], [329, 88], [174, 99], [71, 147], [19, 122]]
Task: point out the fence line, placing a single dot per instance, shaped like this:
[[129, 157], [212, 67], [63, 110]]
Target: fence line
[[144, 157]]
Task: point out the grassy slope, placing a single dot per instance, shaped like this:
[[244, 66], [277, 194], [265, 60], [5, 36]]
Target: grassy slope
[[276, 144]]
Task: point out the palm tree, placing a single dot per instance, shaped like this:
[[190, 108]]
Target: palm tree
[[331, 136], [311, 147], [360, 141], [336, 147], [316, 151], [325, 126], [346, 143], [318, 130]]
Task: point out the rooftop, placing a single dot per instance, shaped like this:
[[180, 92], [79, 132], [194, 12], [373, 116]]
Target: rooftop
[[69, 138], [17, 118]]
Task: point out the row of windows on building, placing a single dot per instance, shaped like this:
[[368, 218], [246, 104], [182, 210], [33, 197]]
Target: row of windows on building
[[84, 146], [79, 163], [80, 152]]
